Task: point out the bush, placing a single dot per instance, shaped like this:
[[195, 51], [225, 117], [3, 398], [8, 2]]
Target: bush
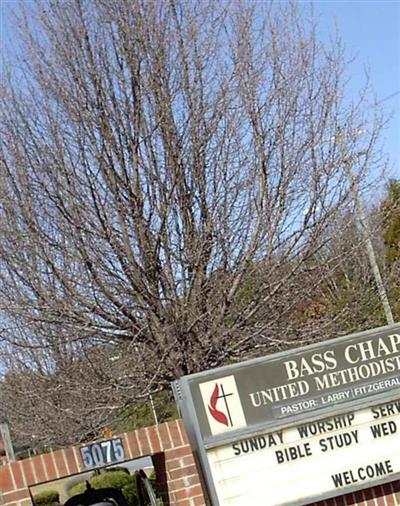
[[119, 479], [47, 498]]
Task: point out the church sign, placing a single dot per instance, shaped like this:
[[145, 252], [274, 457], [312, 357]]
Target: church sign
[[310, 461], [260, 423]]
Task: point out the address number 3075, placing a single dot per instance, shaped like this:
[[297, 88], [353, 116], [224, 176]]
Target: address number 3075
[[102, 453]]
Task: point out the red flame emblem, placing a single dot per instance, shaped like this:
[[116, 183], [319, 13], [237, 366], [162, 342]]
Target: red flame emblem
[[212, 407]]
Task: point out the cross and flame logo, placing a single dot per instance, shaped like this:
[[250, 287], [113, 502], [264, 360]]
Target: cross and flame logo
[[219, 416], [222, 405]]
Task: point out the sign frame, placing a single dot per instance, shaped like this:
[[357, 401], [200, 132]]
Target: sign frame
[[201, 444]]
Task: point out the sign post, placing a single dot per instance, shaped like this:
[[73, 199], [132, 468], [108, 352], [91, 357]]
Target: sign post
[[8, 446], [324, 418]]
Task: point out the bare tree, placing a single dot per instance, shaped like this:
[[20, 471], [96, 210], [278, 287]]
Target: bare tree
[[168, 172]]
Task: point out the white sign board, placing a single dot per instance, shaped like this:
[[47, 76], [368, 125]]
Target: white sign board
[[296, 465]]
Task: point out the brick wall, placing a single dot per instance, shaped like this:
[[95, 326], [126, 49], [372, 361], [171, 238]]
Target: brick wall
[[174, 464], [167, 443], [384, 495]]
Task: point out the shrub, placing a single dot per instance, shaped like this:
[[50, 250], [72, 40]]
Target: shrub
[[47, 498], [119, 479]]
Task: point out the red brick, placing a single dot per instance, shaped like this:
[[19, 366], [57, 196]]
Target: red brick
[[188, 460], [182, 431], [380, 501], [349, 500], [175, 434], [175, 464], [27, 471], [153, 436], [144, 444], [125, 444], [165, 438], [189, 492], [71, 461], [175, 474], [380, 496], [182, 494], [358, 498], [369, 496], [177, 484], [17, 473], [78, 459], [396, 491], [49, 466], [390, 500], [184, 482], [388, 493], [368, 502], [16, 496], [39, 469], [61, 468], [179, 463], [192, 480], [6, 481], [199, 501], [133, 444], [183, 451]]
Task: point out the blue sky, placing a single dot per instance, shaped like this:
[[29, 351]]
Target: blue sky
[[370, 30], [371, 33]]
